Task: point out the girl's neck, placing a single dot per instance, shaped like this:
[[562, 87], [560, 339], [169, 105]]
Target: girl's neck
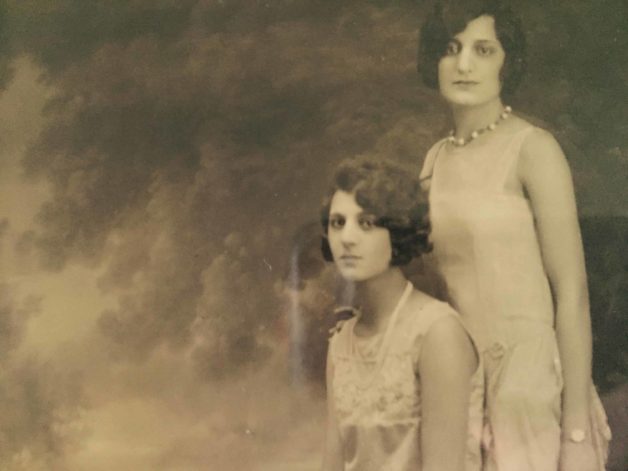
[[472, 118], [378, 296]]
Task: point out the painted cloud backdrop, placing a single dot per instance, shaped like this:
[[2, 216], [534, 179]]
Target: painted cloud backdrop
[[160, 159]]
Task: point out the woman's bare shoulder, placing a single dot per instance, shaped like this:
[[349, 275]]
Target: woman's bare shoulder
[[460, 353], [540, 149], [420, 300], [513, 125], [536, 132], [430, 308], [542, 162]]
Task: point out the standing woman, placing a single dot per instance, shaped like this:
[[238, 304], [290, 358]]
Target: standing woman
[[507, 245], [403, 382]]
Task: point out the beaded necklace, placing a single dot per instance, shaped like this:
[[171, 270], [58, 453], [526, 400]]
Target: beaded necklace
[[460, 142]]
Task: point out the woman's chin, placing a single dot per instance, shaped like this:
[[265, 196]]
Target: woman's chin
[[465, 98], [352, 277], [458, 100]]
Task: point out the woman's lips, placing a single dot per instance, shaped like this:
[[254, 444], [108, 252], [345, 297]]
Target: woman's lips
[[349, 257], [350, 260]]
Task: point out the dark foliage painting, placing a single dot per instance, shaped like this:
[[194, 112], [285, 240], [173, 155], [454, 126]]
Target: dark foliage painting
[[163, 302]]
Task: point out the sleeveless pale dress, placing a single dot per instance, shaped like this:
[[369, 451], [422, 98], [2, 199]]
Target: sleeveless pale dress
[[377, 394], [486, 251]]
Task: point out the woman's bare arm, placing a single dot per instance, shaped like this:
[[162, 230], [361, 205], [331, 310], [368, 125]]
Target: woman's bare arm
[[547, 180], [446, 365]]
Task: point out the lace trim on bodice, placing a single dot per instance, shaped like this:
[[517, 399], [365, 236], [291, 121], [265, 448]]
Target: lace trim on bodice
[[368, 390], [390, 394]]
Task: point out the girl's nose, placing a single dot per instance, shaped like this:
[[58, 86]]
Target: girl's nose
[[349, 233]]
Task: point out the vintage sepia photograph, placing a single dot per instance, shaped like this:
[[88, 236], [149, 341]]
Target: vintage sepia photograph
[[303, 235]]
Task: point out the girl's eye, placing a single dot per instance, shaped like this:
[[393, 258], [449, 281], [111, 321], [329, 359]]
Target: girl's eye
[[452, 48], [367, 222], [484, 50], [336, 222]]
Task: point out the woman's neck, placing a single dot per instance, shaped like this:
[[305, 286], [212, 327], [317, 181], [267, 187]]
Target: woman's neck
[[379, 296], [472, 118]]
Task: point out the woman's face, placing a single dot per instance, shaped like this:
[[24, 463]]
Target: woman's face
[[469, 73], [361, 250]]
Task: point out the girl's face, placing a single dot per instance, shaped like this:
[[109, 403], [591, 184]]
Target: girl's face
[[469, 73], [361, 250]]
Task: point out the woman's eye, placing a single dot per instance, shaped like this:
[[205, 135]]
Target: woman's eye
[[452, 48], [336, 223], [367, 223]]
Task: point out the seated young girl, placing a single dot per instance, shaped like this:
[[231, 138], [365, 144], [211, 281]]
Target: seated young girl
[[403, 380]]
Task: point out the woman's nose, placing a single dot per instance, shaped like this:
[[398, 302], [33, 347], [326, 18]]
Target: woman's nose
[[464, 61], [349, 234]]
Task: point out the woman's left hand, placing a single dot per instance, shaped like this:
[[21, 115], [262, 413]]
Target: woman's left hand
[[578, 457]]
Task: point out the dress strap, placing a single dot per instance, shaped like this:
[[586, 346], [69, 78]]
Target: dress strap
[[510, 158], [393, 319], [430, 160], [427, 172]]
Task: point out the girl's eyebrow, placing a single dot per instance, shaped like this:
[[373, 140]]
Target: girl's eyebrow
[[338, 215]]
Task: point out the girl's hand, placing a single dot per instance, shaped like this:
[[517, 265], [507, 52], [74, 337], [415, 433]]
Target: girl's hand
[[578, 457]]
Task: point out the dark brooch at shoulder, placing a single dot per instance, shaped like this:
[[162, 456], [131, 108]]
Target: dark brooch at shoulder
[[341, 315]]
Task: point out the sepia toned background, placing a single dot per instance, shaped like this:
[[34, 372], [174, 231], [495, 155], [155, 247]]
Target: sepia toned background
[[162, 302]]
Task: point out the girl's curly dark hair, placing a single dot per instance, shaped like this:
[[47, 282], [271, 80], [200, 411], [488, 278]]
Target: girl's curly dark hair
[[393, 195]]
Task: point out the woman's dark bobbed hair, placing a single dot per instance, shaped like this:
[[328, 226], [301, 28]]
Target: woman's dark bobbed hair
[[393, 195], [450, 17]]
